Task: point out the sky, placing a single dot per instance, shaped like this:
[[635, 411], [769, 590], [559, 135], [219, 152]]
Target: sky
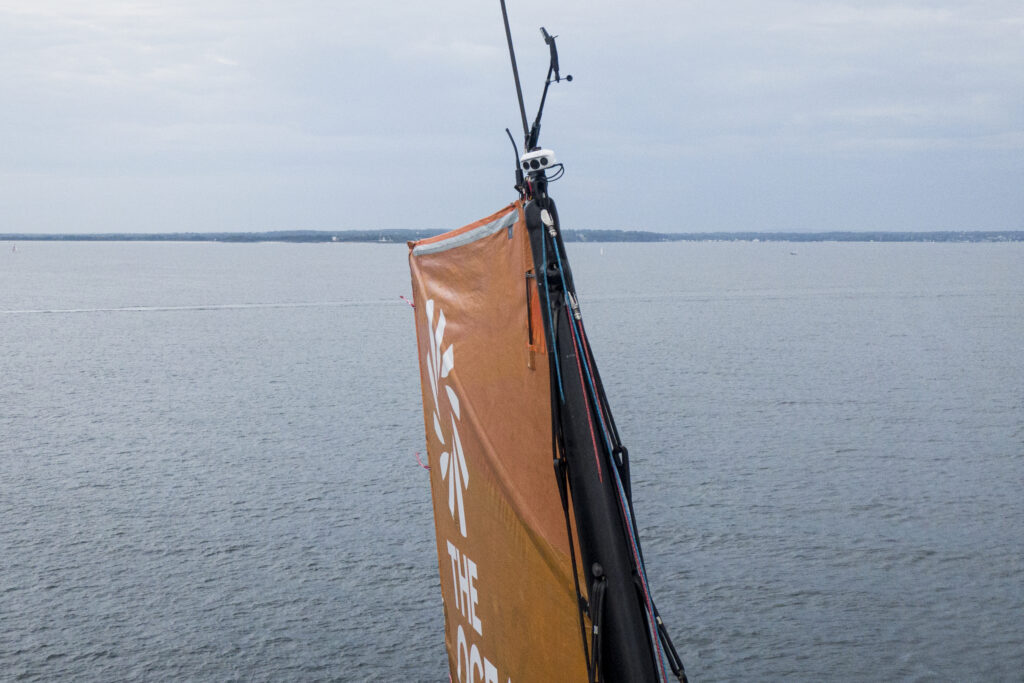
[[683, 116]]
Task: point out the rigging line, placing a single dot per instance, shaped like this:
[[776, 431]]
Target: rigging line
[[558, 449], [583, 346], [561, 475], [590, 382], [599, 389], [626, 493], [628, 499], [576, 341], [627, 517], [648, 604], [674, 660], [572, 326], [642, 572], [635, 548], [616, 439], [597, 591], [547, 298], [590, 421]]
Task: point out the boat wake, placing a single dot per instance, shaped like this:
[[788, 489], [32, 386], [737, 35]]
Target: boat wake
[[200, 307]]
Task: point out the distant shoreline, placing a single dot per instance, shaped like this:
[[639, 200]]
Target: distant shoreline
[[401, 236]]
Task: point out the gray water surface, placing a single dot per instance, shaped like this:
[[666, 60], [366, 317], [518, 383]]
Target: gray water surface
[[207, 464]]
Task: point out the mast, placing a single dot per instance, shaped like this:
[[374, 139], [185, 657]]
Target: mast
[[628, 639]]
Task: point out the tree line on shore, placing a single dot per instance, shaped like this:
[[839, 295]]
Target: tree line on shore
[[401, 236]]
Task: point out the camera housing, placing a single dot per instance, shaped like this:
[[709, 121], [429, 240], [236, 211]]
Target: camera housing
[[537, 161]]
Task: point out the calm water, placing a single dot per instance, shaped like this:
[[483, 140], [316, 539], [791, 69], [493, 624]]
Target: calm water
[[207, 461]]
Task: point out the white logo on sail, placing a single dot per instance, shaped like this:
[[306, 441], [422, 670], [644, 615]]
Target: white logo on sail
[[453, 464]]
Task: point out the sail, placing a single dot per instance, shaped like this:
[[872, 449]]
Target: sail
[[511, 603], [542, 573], [536, 533]]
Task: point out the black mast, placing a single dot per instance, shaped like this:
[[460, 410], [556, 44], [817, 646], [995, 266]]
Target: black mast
[[628, 641]]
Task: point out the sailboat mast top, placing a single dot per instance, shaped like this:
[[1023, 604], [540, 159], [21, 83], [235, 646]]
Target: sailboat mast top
[[515, 73]]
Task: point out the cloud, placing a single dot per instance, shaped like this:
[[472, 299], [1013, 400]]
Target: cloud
[[373, 105]]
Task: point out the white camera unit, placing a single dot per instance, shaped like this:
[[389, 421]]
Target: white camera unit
[[538, 160]]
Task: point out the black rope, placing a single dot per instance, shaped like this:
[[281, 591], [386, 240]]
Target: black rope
[[620, 454], [581, 603], [597, 589], [605, 407], [674, 660]]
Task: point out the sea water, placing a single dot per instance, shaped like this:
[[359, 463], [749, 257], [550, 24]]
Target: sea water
[[208, 458]]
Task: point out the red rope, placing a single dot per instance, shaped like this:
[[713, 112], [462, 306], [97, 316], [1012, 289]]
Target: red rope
[[586, 403], [585, 343], [651, 618]]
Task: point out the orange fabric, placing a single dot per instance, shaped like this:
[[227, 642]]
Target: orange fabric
[[506, 578]]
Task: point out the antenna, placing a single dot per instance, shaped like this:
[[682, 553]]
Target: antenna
[[535, 163], [531, 139], [550, 41], [515, 69], [532, 133]]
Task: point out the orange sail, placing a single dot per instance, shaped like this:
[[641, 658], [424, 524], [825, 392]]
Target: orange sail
[[537, 540], [511, 596]]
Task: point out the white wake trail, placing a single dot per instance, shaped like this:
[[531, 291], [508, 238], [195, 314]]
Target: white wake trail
[[200, 307]]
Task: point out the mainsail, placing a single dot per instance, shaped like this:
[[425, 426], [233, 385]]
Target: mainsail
[[506, 575], [542, 573]]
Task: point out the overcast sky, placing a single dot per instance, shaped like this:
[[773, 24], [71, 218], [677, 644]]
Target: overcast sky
[[142, 116]]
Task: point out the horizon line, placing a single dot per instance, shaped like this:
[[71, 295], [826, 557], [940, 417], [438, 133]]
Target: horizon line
[[397, 235]]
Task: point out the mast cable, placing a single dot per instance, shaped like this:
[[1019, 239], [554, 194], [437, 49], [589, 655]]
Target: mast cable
[[625, 506], [551, 329]]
